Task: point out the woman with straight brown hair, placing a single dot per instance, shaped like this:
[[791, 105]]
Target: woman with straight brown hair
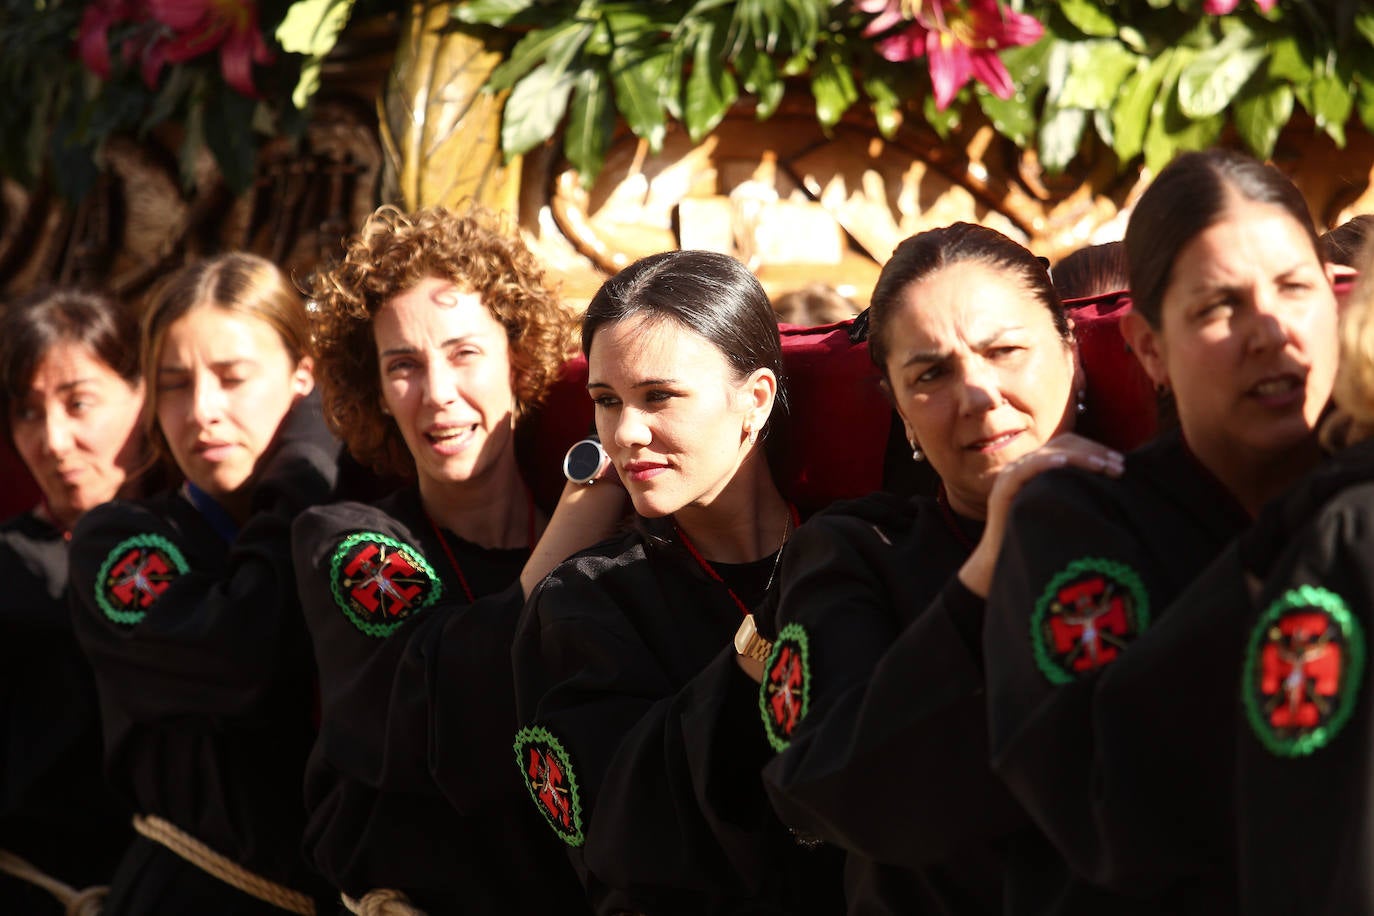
[[185, 602]]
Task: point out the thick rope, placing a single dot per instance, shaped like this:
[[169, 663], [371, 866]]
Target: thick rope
[[382, 902], [228, 871], [78, 903]]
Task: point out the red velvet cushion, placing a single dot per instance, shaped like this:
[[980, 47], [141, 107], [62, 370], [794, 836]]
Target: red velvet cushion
[[1122, 410]]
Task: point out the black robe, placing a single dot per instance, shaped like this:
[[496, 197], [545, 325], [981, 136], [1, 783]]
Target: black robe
[[1304, 764], [410, 785], [1089, 564], [643, 745], [888, 757], [205, 676], [56, 810]]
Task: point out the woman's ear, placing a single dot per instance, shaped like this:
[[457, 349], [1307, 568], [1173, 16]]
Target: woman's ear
[[303, 377], [1147, 345], [760, 390]]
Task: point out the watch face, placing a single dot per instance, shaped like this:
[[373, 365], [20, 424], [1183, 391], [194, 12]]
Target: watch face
[[583, 461]]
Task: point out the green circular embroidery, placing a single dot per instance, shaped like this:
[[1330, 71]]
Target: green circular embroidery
[[1303, 664], [1086, 617], [135, 575], [379, 581], [785, 694], [549, 776]]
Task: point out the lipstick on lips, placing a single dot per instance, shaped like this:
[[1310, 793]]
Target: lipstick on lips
[[641, 471]]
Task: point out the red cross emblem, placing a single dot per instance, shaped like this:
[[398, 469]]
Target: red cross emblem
[[1090, 623], [1300, 671], [545, 772], [139, 577], [383, 582]]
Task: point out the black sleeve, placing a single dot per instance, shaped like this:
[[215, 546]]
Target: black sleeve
[[657, 793], [1305, 723], [415, 707], [890, 757], [1068, 571]]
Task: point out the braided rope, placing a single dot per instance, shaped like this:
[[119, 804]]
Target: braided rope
[[77, 903], [228, 871], [381, 902]]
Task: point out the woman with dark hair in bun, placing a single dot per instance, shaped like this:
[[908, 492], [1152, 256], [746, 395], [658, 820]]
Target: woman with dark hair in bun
[[641, 744], [70, 396], [874, 689], [1235, 317]]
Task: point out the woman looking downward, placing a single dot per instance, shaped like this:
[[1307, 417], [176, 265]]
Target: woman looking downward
[[642, 744], [185, 602]]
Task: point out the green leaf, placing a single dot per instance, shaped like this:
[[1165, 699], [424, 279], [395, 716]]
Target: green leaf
[[534, 108], [1288, 62], [490, 12], [1096, 71], [832, 84], [1012, 118], [1332, 104], [711, 88], [1131, 115], [1060, 135], [559, 42], [1364, 24], [1260, 117], [944, 122], [230, 140], [1088, 17], [590, 122], [311, 27], [886, 102], [1056, 65], [638, 81], [1170, 130], [1208, 84]]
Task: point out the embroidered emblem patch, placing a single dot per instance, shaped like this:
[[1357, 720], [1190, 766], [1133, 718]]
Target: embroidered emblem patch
[[1086, 617], [135, 575], [549, 776], [785, 695], [1302, 668], [378, 582]]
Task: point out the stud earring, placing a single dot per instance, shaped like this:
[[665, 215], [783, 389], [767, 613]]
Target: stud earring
[[1081, 404]]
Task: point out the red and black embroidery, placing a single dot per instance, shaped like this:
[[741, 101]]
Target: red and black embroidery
[[378, 582], [549, 777], [1304, 662], [785, 695], [134, 576], [1086, 617]]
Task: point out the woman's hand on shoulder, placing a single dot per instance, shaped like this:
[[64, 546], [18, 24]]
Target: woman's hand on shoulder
[[585, 515], [1067, 450]]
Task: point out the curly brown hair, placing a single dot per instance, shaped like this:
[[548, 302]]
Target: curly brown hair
[[393, 252]]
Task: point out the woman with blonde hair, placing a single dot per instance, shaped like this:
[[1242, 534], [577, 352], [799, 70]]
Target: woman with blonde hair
[[185, 602], [438, 335]]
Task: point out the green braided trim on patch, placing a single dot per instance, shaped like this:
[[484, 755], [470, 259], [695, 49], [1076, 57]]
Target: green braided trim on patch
[[791, 635], [1334, 606], [417, 559], [119, 614], [534, 735], [1112, 569]]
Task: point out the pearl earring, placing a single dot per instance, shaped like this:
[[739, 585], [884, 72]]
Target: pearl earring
[[916, 453], [1082, 403]]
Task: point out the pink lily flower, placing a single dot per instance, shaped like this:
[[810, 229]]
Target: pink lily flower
[[961, 40], [199, 27]]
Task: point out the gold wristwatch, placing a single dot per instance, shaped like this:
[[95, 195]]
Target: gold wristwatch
[[749, 643]]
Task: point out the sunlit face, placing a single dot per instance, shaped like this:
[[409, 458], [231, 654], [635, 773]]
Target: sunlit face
[[76, 430], [672, 413], [1247, 338], [225, 381], [446, 380], [979, 375]]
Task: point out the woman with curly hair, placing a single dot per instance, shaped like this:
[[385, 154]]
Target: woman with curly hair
[[437, 334]]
